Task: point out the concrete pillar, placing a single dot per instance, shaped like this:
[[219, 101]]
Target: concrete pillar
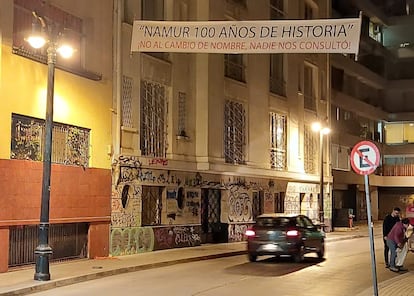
[[4, 246]]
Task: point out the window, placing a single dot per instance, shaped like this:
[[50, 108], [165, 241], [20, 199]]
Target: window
[[279, 202], [70, 144], [257, 206], [182, 114], [340, 157], [234, 132], [277, 141], [153, 10], [153, 119], [375, 32], [309, 10], [127, 83], [56, 19], [310, 87], [234, 67], [151, 205], [310, 150], [276, 9], [277, 83]]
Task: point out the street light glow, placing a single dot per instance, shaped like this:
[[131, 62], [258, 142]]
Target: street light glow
[[325, 130], [65, 51], [36, 41], [316, 126]]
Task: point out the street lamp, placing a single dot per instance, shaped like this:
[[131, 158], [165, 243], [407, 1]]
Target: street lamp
[[317, 127], [46, 35]]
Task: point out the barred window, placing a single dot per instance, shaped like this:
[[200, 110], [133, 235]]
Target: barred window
[[311, 140], [278, 141], [279, 198], [310, 87], [277, 76], [70, 144], [151, 205], [182, 114], [153, 119], [126, 98], [277, 9], [234, 132], [234, 67]]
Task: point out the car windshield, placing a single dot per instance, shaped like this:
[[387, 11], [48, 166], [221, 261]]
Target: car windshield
[[273, 222]]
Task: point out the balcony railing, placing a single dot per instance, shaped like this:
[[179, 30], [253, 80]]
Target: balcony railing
[[398, 170]]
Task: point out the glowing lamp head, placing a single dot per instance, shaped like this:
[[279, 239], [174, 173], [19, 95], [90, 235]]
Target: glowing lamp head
[[36, 41], [65, 51]]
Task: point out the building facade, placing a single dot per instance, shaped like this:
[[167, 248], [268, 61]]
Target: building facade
[[203, 143], [371, 100], [80, 175]]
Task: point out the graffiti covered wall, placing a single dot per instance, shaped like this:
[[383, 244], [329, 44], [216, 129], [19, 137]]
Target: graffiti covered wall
[[134, 240], [180, 203]]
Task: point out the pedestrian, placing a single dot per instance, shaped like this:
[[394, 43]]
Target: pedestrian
[[387, 225], [396, 239]]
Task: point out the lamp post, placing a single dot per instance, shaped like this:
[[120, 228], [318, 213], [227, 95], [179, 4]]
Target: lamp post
[[317, 127], [43, 250]]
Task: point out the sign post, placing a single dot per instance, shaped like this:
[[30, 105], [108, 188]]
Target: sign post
[[364, 160]]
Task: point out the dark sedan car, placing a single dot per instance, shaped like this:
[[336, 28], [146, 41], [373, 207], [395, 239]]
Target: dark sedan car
[[281, 234]]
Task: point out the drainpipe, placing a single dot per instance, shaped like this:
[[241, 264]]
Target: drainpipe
[[117, 74]]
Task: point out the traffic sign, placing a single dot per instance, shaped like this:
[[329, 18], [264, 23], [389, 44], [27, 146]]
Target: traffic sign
[[365, 158]]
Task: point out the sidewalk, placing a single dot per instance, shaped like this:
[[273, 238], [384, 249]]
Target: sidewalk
[[20, 282]]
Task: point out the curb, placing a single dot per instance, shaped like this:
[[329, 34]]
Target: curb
[[40, 287]]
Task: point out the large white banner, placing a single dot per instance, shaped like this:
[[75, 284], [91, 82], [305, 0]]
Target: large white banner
[[281, 36]]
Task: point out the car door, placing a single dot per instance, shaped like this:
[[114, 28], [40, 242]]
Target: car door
[[309, 230]]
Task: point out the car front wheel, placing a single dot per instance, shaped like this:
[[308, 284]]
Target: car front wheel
[[321, 252]]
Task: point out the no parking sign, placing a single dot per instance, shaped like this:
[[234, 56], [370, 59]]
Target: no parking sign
[[365, 158]]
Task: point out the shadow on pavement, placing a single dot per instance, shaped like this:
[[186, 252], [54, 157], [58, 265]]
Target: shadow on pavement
[[272, 266]]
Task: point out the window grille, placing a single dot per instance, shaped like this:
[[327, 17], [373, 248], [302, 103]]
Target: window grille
[[311, 140], [70, 144], [258, 202], [235, 132], [182, 110], [126, 98], [57, 19], [277, 9], [151, 205], [277, 78], [234, 67], [278, 141], [279, 202], [153, 119], [310, 87]]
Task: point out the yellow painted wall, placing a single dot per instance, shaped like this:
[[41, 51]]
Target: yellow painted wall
[[78, 101]]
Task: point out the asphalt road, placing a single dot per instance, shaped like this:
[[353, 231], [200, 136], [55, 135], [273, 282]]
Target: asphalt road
[[345, 271]]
